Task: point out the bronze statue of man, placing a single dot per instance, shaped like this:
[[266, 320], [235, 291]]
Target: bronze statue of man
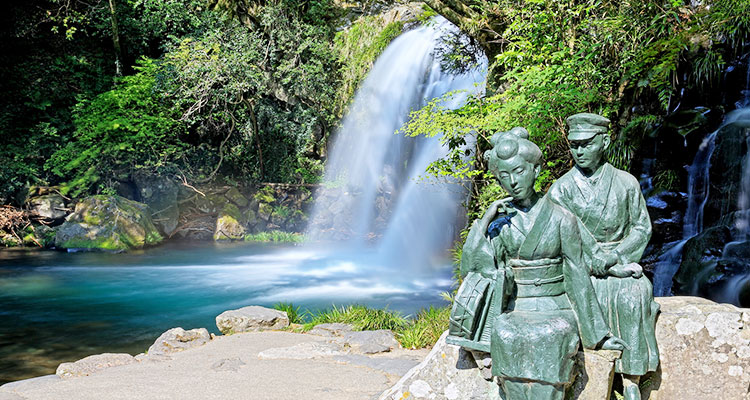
[[615, 228], [527, 296]]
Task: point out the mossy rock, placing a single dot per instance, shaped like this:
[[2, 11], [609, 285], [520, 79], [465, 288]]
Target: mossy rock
[[110, 223], [236, 197], [265, 211], [230, 224], [265, 195], [211, 203]]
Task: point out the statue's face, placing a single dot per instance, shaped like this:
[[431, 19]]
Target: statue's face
[[588, 153], [517, 176]]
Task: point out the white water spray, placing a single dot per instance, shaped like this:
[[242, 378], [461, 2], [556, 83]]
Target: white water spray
[[377, 172]]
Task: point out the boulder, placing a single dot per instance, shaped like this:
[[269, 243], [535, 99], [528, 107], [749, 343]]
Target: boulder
[[108, 223], [699, 253], [251, 319], [160, 193], [178, 339], [726, 163], [50, 207], [91, 364], [210, 203], [447, 373], [704, 351], [236, 197], [371, 342], [229, 224]]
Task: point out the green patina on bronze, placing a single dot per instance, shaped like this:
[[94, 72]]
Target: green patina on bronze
[[615, 229], [527, 295]]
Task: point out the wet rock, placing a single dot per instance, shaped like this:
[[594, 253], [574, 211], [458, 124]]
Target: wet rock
[[92, 364], [251, 319], [331, 330], [108, 223], [704, 351], [160, 193], [371, 342], [726, 169], [697, 254], [178, 339], [229, 224]]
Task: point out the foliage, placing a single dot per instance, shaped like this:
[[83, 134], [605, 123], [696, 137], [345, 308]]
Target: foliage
[[258, 95], [358, 47], [275, 236], [292, 311], [57, 52], [551, 59], [119, 132], [426, 329], [360, 317]]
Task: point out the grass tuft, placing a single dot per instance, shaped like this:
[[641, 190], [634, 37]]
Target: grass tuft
[[426, 329], [413, 333], [292, 312], [362, 318], [275, 236]]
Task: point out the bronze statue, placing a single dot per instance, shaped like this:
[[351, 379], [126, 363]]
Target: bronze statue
[[527, 296], [615, 228]]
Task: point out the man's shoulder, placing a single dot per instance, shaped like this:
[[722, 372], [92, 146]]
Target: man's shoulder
[[559, 211], [625, 177]]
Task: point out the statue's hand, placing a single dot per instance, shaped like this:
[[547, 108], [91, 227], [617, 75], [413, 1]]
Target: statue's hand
[[626, 270], [492, 211], [614, 343]]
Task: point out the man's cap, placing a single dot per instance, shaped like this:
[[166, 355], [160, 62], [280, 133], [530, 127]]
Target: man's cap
[[584, 126]]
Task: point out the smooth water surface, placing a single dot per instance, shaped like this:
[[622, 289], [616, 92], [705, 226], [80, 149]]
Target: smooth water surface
[[58, 307]]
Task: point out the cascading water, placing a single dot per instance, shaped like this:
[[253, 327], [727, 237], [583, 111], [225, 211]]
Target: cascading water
[[375, 175], [698, 185], [693, 224]]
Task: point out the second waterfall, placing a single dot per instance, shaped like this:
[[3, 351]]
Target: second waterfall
[[376, 190]]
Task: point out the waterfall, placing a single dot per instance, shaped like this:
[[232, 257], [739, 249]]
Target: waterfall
[[374, 177], [698, 194]]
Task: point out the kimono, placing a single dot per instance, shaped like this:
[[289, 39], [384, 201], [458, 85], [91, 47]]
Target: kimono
[[612, 216], [538, 303]]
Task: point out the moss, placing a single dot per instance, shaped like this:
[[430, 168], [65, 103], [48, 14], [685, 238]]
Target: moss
[[108, 223], [236, 197], [229, 225], [358, 47], [108, 243], [265, 195]]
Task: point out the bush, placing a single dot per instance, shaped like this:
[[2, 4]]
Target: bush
[[119, 132]]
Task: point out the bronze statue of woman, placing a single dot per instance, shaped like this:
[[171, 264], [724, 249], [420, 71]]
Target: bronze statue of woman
[[526, 295]]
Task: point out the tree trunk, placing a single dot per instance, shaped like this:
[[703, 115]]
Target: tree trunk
[[116, 39]]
